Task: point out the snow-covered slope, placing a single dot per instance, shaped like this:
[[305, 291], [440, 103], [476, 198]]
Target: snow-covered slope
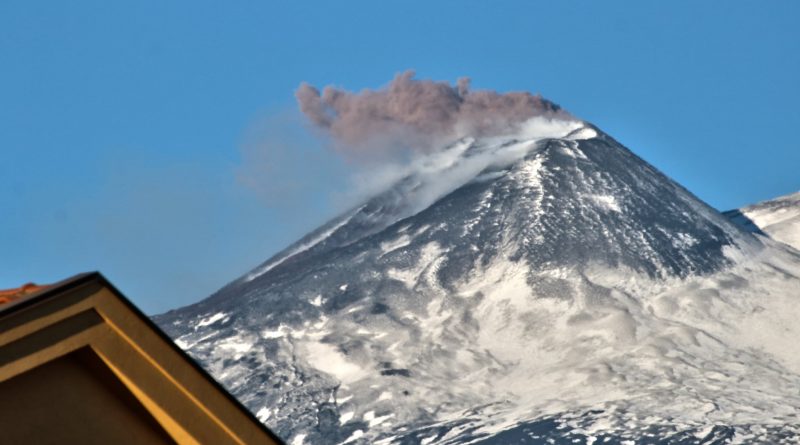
[[543, 286], [779, 218]]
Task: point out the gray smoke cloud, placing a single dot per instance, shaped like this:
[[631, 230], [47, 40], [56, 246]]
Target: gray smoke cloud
[[415, 115]]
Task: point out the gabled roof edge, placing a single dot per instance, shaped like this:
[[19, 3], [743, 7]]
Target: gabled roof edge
[[96, 277]]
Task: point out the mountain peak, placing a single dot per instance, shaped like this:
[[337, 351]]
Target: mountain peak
[[561, 192]]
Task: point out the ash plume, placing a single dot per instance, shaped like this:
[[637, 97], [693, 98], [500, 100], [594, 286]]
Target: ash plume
[[416, 115]]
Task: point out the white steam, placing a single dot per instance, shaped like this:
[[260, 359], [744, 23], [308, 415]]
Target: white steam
[[441, 172]]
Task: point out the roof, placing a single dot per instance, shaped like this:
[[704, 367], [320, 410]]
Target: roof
[[9, 295], [40, 324]]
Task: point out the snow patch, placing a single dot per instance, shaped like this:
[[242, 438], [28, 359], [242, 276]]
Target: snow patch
[[355, 309], [355, 436], [606, 202], [328, 359], [684, 240], [379, 420], [345, 417], [412, 275], [395, 244], [237, 344], [277, 333], [264, 414], [210, 320]]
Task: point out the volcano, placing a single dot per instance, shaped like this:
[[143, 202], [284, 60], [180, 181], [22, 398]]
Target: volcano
[[541, 286]]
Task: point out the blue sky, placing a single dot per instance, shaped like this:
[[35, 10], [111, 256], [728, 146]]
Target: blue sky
[[127, 129]]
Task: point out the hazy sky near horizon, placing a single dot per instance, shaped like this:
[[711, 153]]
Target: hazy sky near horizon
[[135, 137]]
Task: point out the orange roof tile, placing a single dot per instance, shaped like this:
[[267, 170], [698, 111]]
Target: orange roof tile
[[9, 295]]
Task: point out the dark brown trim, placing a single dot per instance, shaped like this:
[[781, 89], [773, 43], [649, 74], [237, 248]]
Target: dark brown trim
[[35, 342]]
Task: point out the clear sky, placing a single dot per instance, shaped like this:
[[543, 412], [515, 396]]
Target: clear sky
[[127, 128]]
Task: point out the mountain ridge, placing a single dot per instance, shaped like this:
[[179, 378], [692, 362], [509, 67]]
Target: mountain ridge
[[545, 276], [778, 218]]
